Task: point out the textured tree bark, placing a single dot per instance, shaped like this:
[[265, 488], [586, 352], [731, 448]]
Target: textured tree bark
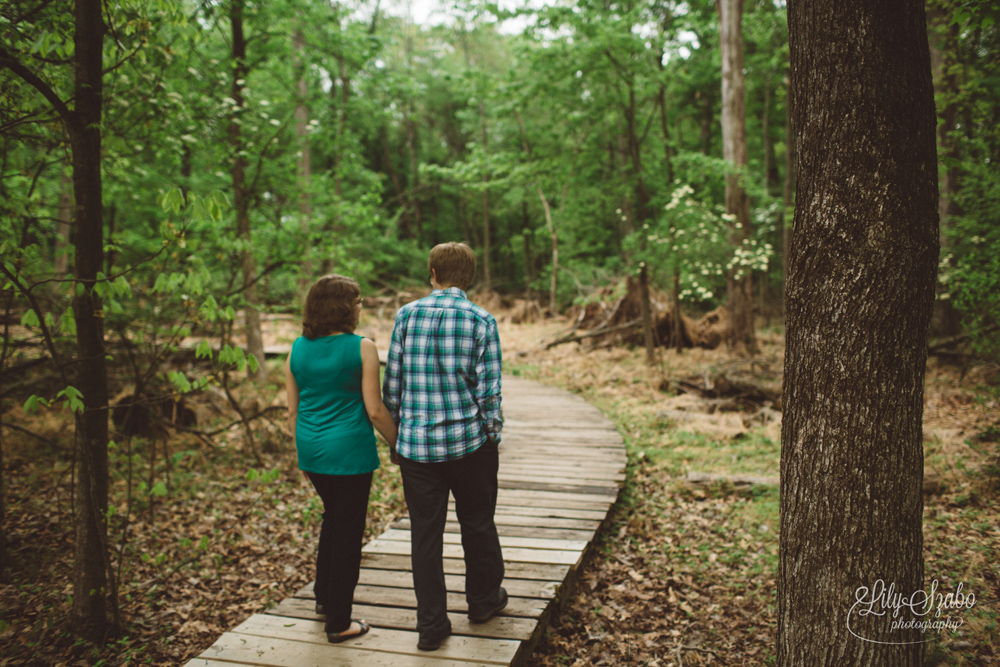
[[739, 288], [943, 44], [786, 229], [241, 197], [860, 295], [89, 615]]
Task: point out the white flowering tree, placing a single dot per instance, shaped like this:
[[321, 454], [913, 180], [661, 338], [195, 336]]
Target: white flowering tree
[[689, 250]]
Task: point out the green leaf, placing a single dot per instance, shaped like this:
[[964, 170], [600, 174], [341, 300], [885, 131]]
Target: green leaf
[[72, 396], [159, 489], [203, 544], [67, 324], [204, 350], [252, 474], [29, 319], [31, 405]]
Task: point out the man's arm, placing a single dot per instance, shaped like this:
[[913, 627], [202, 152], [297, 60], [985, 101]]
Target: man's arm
[[392, 383], [488, 367]]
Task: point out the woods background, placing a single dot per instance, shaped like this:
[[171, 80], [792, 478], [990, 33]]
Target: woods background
[[173, 171]]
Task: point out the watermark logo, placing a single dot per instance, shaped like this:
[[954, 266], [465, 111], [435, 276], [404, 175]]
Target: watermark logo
[[929, 611]]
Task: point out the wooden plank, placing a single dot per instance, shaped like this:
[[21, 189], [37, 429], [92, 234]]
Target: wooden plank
[[542, 571], [251, 650], [528, 468], [405, 597], [536, 496], [528, 588], [505, 542], [607, 476], [527, 462], [549, 556], [381, 640], [498, 627], [526, 519], [569, 488], [558, 478], [534, 529], [571, 512]]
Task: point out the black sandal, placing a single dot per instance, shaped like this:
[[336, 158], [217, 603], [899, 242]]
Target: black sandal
[[337, 637]]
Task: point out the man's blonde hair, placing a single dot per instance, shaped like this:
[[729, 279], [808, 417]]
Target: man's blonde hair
[[454, 264]]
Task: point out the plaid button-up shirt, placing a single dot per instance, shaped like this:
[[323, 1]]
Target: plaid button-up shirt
[[442, 380]]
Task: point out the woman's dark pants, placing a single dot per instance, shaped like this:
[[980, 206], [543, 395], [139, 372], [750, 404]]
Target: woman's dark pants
[[345, 509], [473, 482]]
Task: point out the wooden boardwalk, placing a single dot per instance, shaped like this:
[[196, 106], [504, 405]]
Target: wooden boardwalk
[[562, 465]]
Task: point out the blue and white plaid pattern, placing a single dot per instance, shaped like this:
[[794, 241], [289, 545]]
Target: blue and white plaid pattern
[[442, 380]]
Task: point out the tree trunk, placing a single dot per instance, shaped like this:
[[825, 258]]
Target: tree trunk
[[487, 277], [943, 44], [526, 238], [771, 178], [89, 615], [305, 157], [739, 288], [706, 122], [642, 205], [241, 197], [786, 229], [554, 236], [65, 224], [860, 297]]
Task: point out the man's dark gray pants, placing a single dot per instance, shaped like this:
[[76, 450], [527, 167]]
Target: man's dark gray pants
[[473, 481]]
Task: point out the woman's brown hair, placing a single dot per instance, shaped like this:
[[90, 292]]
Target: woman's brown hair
[[330, 306]]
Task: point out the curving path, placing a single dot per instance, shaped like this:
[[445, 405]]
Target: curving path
[[562, 465]]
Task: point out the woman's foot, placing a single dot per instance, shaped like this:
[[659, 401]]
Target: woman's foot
[[355, 629]]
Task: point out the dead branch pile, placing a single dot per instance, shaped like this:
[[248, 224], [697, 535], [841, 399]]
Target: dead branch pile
[[615, 318]]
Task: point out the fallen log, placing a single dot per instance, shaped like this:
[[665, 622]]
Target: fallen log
[[594, 332]]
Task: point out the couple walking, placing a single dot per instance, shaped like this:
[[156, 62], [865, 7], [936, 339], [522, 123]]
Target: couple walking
[[440, 413]]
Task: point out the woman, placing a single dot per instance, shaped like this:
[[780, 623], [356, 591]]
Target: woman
[[332, 379]]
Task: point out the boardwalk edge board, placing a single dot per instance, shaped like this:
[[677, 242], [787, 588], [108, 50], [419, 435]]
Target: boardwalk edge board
[[562, 468]]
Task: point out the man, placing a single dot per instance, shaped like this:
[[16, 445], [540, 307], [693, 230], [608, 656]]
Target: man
[[442, 387]]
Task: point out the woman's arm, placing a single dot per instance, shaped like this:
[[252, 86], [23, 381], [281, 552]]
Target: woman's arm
[[292, 390], [377, 411]]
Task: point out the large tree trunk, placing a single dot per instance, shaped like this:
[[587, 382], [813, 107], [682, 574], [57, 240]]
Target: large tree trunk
[[89, 615], [739, 288], [860, 296], [943, 44], [241, 197]]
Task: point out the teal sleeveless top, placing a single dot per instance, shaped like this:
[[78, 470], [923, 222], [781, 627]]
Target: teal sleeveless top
[[333, 434]]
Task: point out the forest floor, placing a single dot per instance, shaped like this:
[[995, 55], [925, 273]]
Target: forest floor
[[685, 574]]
